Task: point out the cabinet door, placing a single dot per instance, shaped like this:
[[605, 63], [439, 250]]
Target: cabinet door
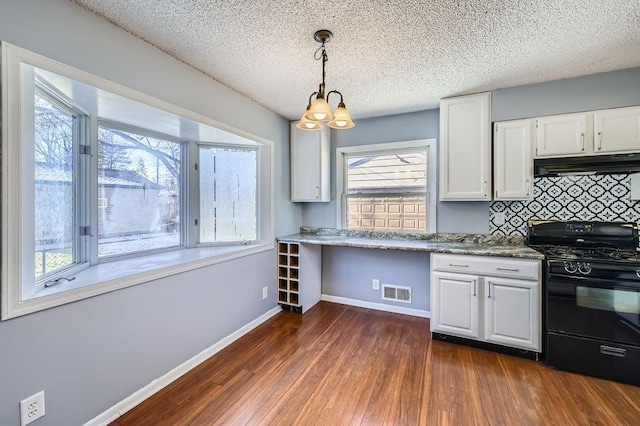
[[512, 313], [617, 130], [309, 165], [465, 148], [454, 304], [513, 160], [569, 134]]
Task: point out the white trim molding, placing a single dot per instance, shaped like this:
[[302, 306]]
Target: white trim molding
[[376, 306], [158, 384]]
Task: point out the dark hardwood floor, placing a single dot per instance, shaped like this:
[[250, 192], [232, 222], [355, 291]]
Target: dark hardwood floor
[[341, 365]]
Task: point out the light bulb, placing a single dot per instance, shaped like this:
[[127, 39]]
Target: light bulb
[[341, 118]]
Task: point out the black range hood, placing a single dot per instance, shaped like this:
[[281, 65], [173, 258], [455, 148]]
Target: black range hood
[[587, 165]]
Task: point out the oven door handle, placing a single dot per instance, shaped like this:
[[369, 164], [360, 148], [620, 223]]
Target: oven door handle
[[581, 281], [610, 350]]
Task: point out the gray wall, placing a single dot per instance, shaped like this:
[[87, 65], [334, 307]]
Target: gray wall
[[598, 91], [341, 275], [91, 354]]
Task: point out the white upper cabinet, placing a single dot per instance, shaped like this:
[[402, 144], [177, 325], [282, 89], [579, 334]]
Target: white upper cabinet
[[513, 160], [609, 131], [564, 135], [309, 165], [465, 148], [617, 130]]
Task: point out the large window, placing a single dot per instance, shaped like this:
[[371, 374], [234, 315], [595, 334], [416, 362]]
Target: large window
[[228, 194], [102, 191], [139, 180], [55, 186], [387, 187]]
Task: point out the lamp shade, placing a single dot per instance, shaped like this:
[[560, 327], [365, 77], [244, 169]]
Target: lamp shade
[[306, 124], [341, 118], [319, 111]]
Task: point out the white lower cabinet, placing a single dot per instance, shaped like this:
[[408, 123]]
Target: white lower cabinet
[[457, 304], [491, 299], [511, 312]]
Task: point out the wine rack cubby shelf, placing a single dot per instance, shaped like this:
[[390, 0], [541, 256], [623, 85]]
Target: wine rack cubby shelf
[[298, 275]]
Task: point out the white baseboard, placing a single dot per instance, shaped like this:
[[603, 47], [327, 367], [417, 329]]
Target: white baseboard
[[376, 306], [140, 395]]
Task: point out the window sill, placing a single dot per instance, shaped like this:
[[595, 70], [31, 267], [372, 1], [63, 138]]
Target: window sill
[[116, 275]]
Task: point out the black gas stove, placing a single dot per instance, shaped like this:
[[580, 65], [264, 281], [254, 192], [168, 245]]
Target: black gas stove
[[587, 249], [592, 296]]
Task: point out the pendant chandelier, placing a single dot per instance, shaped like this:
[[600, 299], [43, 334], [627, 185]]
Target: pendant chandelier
[[318, 110]]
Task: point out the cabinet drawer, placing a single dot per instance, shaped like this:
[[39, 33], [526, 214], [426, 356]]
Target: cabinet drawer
[[485, 265]]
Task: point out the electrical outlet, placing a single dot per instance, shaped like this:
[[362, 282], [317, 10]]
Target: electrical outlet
[[375, 284], [265, 292], [498, 218], [31, 408]]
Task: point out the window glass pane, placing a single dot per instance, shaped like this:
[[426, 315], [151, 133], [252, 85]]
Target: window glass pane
[[54, 188], [387, 173], [228, 191], [387, 192], [138, 193]]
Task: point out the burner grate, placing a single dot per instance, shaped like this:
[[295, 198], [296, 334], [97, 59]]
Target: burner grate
[[576, 253]]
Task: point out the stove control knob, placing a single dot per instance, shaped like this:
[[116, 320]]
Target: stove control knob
[[638, 273], [584, 268], [570, 267]]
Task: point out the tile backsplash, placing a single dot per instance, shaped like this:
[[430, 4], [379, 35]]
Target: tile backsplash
[[590, 197]]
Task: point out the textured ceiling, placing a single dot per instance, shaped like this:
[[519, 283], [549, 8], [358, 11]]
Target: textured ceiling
[[386, 56]]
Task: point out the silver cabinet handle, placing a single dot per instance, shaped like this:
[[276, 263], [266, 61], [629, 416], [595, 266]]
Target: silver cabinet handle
[[528, 189], [458, 265], [474, 287], [485, 188], [507, 269], [489, 296], [582, 136], [599, 141], [317, 192]]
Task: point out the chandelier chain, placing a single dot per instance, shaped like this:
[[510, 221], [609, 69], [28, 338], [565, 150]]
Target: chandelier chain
[[325, 58]]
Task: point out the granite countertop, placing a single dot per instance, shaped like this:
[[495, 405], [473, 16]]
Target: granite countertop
[[473, 244]]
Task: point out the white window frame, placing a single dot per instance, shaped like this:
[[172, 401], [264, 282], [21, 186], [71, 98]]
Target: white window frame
[[196, 207], [381, 149], [79, 183], [108, 276], [183, 184]]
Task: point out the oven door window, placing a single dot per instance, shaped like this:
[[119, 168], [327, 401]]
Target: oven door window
[[616, 300], [597, 309]]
